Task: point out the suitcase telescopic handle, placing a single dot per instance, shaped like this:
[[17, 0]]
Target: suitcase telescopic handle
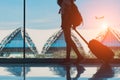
[[81, 36]]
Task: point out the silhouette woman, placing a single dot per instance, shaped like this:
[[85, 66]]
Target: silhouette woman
[[65, 9]]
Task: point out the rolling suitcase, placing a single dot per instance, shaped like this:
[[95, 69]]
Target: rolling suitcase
[[101, 51]]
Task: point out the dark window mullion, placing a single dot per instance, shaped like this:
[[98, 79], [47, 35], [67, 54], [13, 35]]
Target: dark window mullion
[[24, 25]]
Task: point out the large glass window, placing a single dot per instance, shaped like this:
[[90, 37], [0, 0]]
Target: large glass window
[[43, 35]]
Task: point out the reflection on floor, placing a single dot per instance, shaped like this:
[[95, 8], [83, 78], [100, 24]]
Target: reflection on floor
[[60, 71]]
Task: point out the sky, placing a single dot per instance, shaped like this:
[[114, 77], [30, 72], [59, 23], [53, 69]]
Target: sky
[[43, 14]]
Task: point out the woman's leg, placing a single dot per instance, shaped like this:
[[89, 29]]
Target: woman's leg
[[66, 26], [70, 44], [67, 36], [75, 48]]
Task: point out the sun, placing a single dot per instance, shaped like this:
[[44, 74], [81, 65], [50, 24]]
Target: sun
[[104, 26]]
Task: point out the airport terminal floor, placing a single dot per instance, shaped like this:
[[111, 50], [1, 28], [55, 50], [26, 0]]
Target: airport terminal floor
[[64, 71]]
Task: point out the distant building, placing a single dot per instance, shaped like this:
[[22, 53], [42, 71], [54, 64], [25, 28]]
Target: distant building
[[12, 45], [56, 44], [111, 38], [41, 42]]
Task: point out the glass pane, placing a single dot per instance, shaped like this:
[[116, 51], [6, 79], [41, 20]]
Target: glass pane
[[40, 23], [11, 28], [46, 38], [43, 27]]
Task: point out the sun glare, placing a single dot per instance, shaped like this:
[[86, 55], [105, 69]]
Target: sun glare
[[104, 26]]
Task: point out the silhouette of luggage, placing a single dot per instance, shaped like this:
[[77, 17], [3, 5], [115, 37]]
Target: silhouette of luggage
[[101, 51]]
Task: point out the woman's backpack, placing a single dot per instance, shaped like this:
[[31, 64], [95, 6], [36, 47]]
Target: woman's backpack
[[76, 18]]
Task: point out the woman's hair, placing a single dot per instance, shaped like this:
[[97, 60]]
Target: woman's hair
[[59, 2]]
